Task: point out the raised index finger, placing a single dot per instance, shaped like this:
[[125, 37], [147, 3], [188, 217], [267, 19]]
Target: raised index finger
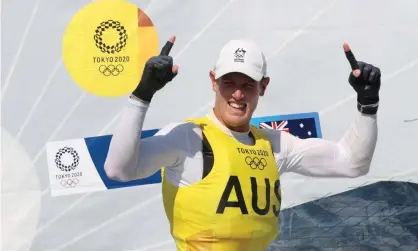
[[350, 56], [167, 47]]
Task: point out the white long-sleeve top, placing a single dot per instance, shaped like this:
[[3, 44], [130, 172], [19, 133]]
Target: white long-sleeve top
[[177, 147]]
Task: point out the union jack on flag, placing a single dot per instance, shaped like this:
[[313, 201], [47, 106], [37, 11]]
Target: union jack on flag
[[275, 125], [300, 127]]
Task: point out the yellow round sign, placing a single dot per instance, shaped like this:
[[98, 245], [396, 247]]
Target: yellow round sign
[[106, 46]]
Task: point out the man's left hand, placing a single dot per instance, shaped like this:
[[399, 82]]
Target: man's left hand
[[365, 80]]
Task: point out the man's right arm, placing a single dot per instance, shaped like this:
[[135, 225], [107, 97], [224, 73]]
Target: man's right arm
[[131, 157]]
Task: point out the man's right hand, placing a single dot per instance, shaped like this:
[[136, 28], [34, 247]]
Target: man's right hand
[[158, 71]]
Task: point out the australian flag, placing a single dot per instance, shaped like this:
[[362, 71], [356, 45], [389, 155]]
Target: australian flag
[[300, 127]]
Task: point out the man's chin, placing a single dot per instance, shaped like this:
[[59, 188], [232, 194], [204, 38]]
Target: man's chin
[[237, 120], [236, 113]]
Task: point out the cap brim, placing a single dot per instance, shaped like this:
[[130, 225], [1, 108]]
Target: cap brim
[[244, 70]]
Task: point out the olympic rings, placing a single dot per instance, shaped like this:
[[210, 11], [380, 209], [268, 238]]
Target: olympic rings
[[255, 162], [111, 69], [69, 182]]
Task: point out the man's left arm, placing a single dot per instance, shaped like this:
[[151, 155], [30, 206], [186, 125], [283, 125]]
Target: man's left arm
[[352, 155]]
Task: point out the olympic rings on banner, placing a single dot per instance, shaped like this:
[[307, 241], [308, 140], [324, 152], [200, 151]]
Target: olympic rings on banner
[[111, 69]]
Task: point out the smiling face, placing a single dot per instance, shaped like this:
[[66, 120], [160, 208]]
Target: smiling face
[[236, 99]]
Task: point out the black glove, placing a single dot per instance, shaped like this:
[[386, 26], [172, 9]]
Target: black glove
[[158, 71], [367, 84]]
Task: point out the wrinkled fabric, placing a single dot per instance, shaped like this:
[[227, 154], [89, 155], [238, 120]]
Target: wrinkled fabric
[[380, 216]]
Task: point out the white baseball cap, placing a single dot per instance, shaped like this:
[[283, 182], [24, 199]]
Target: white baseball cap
[[242, 56]]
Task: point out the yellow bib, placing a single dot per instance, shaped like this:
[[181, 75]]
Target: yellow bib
[[236, 206]]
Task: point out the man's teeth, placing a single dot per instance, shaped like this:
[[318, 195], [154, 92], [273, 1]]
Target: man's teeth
[[238, 106]]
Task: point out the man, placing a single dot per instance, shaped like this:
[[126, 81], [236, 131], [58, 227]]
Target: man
[[221, 176]]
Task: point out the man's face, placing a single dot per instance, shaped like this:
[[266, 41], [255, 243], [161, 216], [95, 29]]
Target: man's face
[[236, 99]]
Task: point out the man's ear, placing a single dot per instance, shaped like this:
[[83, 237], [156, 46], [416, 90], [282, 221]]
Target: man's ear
[[213, 80], [264, 82]]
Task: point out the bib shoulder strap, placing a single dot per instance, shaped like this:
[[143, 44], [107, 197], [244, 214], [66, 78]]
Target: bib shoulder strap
[[259, 134], [207, 152], [208, 158]]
